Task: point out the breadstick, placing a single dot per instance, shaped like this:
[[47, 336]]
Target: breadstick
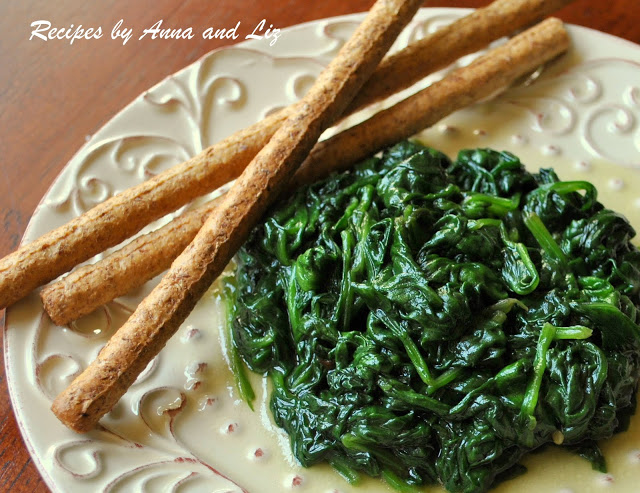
[[91, 286], [131, 348], [123, 215], [466, 35], [126, 213], [466, 85]]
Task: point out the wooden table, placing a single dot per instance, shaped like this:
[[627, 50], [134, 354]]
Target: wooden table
[[54, 94]]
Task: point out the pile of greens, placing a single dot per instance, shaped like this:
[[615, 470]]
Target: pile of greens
[[432, 321]]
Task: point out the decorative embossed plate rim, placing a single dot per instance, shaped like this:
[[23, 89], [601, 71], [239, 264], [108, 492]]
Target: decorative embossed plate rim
[[142, 442]]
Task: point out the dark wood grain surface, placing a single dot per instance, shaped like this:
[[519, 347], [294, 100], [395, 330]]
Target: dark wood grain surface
[[53, 94]]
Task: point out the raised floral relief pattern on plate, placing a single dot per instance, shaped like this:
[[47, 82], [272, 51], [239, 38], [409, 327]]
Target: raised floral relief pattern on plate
[[181, 427]]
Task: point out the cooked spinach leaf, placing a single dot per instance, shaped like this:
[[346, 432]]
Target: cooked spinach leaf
[[430, 321]]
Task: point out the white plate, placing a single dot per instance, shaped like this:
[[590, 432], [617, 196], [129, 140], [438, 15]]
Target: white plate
[[181, 427]]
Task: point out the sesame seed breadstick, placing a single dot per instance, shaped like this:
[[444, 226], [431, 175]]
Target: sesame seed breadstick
[[91, 286], [123, 215], [131, 348]]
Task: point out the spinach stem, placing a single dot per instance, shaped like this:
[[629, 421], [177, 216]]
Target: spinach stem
[[547, 334], [397, 483], [542, 235], [237, 365], [445, 379], [499, 206], [348, 473], [412, 350], [573, 332], [345, 300], [413, 398]]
